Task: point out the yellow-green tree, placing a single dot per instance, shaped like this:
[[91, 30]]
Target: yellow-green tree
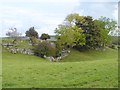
[[68, 34]]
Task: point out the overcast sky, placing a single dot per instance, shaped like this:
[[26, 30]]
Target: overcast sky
[[45, 15]]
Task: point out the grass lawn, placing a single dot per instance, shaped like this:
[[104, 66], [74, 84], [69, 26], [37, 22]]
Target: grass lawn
[[79, 70]]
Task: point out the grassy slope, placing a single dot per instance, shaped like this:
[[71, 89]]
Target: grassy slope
[[91, 55], [20, 43], [88, 70]]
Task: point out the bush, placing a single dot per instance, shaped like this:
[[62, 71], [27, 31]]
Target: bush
[[118, 46], [112, 46], [33, 40], [44, 48]]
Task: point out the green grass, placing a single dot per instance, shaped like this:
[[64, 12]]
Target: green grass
[[20, 43], [76, 56], [79, 70]]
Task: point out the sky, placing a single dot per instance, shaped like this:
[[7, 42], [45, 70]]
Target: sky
[[46, 15]]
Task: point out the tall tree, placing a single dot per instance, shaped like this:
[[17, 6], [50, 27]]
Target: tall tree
[[32, 33], [105, 25], [68, 34], [84, 31], [108, 24], [91, 32]]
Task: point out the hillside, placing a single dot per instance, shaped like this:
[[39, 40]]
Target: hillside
[[80, 69], [76, 56]]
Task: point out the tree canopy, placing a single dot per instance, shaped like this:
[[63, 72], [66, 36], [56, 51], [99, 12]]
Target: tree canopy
[[84, 31], [32, 33], [68, 34]]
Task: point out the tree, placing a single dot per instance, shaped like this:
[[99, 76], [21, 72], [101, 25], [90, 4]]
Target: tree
[[68, 34], [13, 33], [105, 25], [44, 36], [32, 33], [90, 31], [104, 38], [83, 32]]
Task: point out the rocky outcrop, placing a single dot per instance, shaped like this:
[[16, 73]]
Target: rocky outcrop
[[64, 54]]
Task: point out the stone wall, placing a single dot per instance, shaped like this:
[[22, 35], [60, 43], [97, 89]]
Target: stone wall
[[15, 50], [64, 54], [21, 50]]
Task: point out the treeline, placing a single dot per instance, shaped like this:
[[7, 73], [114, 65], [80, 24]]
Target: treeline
[[84, 32], [78, 32]]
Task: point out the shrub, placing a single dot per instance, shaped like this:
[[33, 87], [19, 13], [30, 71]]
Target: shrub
[[112, 46], [118, 46], [33, 40], [44, 48]]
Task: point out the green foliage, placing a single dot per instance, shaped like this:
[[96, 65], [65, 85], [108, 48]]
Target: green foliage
[[112, 46], [118, 47], [44, 48], [34, 40], [31, 33], [105, 25], [85, 32], [90, 31], [108, 24], [44, 36], [68, 34], [104, 37], [73, 17]]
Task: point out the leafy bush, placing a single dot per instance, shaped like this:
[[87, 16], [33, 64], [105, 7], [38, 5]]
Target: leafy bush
[[118, 46], [44, 48], [34, 40], [112, 46]]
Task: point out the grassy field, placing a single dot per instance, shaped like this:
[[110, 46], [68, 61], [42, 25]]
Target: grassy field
[[79, 70], [19, 43]]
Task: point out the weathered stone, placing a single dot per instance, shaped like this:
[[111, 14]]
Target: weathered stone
[[58, 58], [52, 58], [48, 58]]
